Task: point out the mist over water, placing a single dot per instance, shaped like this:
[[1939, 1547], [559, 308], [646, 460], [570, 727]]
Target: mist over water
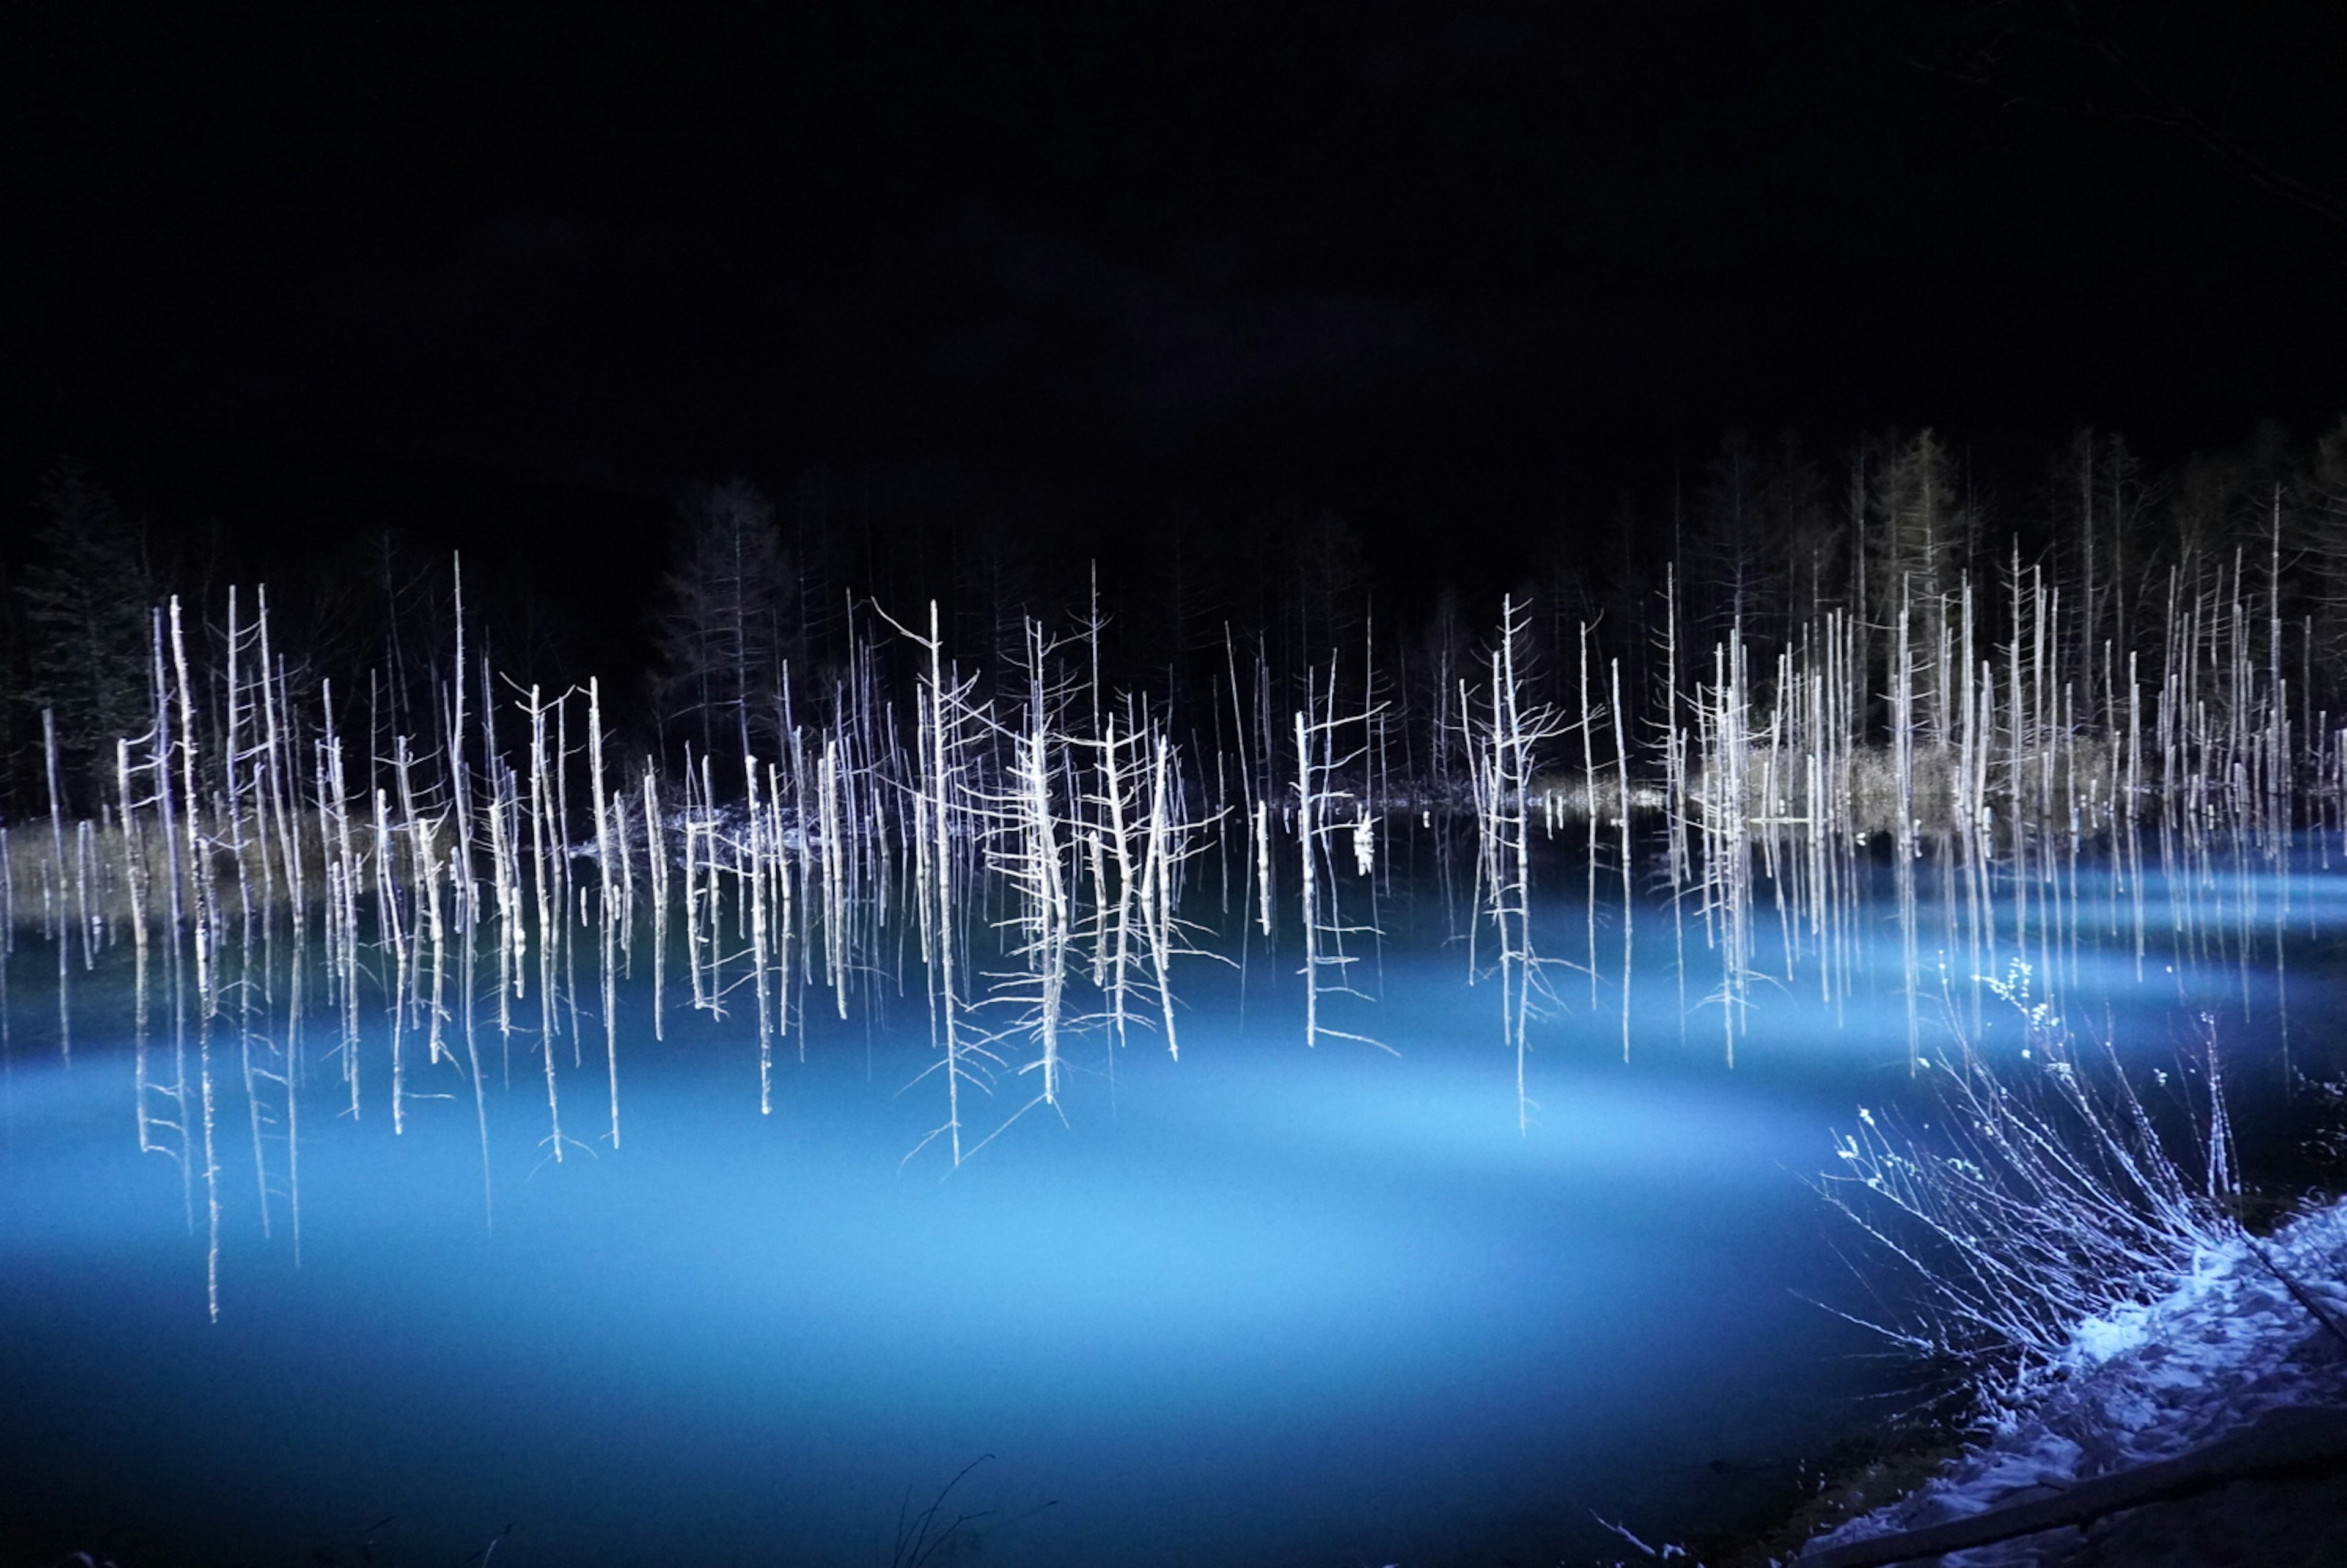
[[1262, 1305]]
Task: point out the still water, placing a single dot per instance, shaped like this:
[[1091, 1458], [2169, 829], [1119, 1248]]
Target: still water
[[1262, 1305]]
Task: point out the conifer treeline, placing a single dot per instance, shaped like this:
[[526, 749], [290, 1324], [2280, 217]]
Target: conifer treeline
[[764, 613]]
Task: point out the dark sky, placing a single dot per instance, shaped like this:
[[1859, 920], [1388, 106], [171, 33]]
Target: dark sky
[[1439, 267]]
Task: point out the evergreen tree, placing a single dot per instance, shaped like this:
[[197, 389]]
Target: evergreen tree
[[2323, 526], [1724, 559], [2099, 504], [1805, 528], [1923, 537], [719, 683], [87, 593], [1330, 571]]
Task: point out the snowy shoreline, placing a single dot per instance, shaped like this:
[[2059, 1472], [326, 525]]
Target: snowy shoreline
[[2148, 1383]]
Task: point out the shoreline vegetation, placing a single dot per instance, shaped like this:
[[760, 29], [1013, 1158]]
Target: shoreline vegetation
[[2199, 1422], [2193, 1410]]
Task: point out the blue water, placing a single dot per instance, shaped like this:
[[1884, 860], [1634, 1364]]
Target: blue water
[[1265, 1305]]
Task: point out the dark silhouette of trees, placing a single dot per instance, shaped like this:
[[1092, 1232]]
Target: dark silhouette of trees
[[85, 594], [1730, 556], [719, 683], [2101, 509], [1922, 536], [1330, 573], [2324, 514], [1803, 526]]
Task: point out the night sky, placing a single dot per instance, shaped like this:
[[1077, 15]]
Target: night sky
[[1459, 274]]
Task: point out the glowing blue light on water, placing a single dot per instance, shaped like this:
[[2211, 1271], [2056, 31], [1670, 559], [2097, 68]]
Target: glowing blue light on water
[[1262, 1305]]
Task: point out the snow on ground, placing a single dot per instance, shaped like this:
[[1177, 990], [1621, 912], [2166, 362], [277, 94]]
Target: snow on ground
[[2150, 1382]]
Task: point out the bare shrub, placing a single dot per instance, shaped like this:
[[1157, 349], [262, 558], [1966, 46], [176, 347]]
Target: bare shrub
[[2040, 1198]]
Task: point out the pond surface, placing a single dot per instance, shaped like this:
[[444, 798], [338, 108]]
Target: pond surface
[[1262, 1305]]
